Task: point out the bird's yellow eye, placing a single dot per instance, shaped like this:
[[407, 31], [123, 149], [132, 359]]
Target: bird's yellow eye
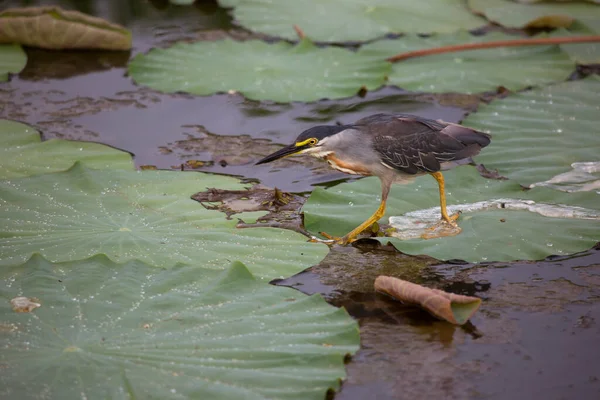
[[307, 142]]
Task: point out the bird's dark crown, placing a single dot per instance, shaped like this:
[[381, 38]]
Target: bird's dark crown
[[320, 132]]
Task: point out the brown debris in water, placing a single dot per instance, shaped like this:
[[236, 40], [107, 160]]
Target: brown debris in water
[[24, 304], [454, 308]]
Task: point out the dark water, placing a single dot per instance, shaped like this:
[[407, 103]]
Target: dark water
[[537, 332]]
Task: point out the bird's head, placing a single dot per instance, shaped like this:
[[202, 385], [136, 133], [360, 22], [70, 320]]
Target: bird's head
[[312, 141]]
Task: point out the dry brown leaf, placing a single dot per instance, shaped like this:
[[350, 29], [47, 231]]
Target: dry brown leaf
[[454, 308], [57, 29]]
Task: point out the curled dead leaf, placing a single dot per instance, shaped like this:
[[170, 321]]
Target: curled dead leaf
[[54, 28], [24, 304], [454, 308]]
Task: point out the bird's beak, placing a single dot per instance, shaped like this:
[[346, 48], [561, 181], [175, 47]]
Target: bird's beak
[[286, 151]]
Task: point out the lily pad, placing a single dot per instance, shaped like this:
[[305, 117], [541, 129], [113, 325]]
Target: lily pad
[[540, 133], [471, 71], [512, 14], [280, 72], [554, 223], [138, 215], [342, 21], [54, 28], [22, 153], [582, 53], [104, 330], [12, 60]]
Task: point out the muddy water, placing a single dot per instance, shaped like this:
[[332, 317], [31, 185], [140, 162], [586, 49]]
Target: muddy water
[[536, 335]]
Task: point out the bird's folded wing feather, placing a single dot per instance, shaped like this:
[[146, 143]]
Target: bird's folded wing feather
[[413, 145]]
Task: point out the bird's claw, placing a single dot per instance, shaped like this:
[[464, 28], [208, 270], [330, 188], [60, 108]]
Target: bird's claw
[[452, 218], [443, 228]]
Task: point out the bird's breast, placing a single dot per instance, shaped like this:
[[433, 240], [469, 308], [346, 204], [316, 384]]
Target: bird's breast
[[344, 166]]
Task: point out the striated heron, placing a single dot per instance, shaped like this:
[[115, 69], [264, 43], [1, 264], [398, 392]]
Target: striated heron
[[393, 147]]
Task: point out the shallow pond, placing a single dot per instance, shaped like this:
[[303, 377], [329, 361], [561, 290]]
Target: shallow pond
[[536, 334]]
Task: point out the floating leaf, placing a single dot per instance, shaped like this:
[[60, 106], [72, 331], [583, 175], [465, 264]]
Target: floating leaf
[[556, 1], [342, 21], [454, 308], [12, 60], [53, 28], [143, 215], [582, 53], [471, 71], [114, 331], [280, 72], [22, 153], [540, 133], [516, 15], [501, 229]]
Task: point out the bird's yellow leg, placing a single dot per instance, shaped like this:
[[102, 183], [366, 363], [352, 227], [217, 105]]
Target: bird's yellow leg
[[349, 237], [440, 180]]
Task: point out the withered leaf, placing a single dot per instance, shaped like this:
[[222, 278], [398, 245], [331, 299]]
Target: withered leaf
[[54, 28], [454, 308]]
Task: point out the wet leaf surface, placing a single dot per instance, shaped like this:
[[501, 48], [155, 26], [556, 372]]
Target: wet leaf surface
[[279, 72], [588, 53], [539, 134], [512, 14], [22, 153], [196, 331], [143, 215], [499, 220], [355, 21], [54, 28], [514, 68]]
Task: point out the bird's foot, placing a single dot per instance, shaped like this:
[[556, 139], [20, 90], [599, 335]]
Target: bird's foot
[[451, 219], [443, 228]]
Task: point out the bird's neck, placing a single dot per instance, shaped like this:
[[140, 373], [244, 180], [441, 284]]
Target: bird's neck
[[346, 167]]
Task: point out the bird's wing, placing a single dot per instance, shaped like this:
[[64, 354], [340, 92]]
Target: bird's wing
[[412, 144]]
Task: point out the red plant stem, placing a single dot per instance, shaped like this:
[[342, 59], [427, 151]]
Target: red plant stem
[[497, 43]]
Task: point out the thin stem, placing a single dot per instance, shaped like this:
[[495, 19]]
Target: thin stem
[[497, 43], [299, 32]]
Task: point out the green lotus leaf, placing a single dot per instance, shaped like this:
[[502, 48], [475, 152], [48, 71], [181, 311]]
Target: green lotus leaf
[[143, 215], [512, 14], [54, 28], [22, 153], [102, 330], [582, 53], [12, 60], [342, 21], [471, 71], [541, 133], [556, 1], [500, 221], [280, 72]]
